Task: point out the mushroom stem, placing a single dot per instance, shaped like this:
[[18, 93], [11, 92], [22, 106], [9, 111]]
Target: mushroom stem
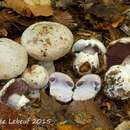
[[91, 62], [89, 54], [48, 65], [34, 94], [16, 101]]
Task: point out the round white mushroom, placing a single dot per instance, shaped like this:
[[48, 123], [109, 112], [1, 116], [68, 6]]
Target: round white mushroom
[[13, 59], [37, 77], [87, 53], [117, 82], [61, 86], [47, 41], [87, 87]]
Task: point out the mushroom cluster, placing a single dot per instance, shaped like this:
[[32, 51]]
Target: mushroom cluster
[[43, 41], [46, 42]]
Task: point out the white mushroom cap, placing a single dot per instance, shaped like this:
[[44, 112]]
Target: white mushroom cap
[[81, 44], [87, 87], [61, 86], [47, 40], [117, 82], [87, 55], [36, 76], [13, 59]]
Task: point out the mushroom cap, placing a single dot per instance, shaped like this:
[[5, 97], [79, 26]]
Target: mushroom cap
[[47, 40], [61, 86], [13, 59], [87, 87], [117, 82], [36, 76], [82, 45], [117, 51]]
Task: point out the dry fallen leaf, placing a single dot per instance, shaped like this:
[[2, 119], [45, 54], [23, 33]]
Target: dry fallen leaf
[[31, 7], [125, 125], [118, 21], [50, 108], [67, 127], [88, 112], [64, 17]]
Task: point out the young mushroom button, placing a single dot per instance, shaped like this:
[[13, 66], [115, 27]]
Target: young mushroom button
[[13, 59], [37, 77], [88, 56], [61, 86], [47, 41]]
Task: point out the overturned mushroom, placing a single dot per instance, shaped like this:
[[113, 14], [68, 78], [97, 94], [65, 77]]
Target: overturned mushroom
[[13, 93], [87, 87], [37, 77], [47, 41], [89, 55], [13, 59], [117, 82], [117, 51], [61, 86]]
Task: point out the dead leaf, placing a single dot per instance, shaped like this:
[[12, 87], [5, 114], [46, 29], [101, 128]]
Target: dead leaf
[[50, 108], [64, 17], [67, 127], [117, 22], [31, 7], [107, 2], [125, 125], [3, 32], [89, 112]]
